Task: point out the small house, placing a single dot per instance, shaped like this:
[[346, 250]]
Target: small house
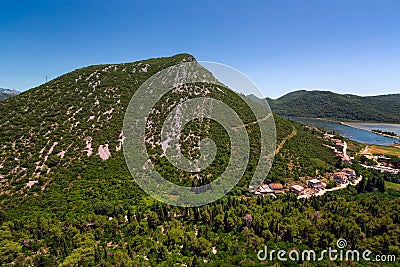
[[340, 177], [276, 187], [314, 183], [264, 190], [349, 172], [297, 189]]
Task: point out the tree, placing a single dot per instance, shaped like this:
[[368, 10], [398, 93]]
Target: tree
[[361, 186], [122, 259], [9, 251], [175, 237], [201, 246], [84, 255]]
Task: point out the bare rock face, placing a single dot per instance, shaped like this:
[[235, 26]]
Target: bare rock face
[[72, 120], [103, 152], [248, 218]]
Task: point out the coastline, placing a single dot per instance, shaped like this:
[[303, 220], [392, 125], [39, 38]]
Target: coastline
[[382, 134], [366, 136]]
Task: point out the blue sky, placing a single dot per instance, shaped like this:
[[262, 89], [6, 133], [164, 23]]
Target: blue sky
[[347, 46]]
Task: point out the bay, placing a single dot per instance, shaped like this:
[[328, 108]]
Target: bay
[[357, 132], [386, 127]]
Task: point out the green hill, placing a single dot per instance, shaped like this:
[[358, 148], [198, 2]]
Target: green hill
[[67, 198], [56, 132], [325, 104]]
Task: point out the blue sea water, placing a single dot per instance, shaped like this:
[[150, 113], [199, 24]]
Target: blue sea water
[[386, 127], [359, 134]]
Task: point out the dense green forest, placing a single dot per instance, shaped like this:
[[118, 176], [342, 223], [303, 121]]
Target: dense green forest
[[325, 104], [62, 204], [228, 232]]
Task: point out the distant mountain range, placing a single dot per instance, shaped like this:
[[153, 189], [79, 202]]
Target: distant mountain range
[[329, 105], [6, 93]]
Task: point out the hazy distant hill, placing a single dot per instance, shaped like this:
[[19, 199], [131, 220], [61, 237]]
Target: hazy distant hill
[[325, 104], [6, 93]]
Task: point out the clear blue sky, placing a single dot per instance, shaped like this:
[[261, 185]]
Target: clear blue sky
[[348, 46]]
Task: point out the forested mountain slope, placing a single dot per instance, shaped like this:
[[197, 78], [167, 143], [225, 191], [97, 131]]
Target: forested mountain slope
[[325, 104], [71, 128], [67, 198]]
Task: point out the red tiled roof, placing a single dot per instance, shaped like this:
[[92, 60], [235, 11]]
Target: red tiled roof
[[276, 186]]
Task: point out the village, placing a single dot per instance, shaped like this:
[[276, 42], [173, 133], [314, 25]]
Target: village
[[313, 187], [380, 162], [341, 178]]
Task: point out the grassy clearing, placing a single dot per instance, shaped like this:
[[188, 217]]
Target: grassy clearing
[[384, 150], [392, 185]]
